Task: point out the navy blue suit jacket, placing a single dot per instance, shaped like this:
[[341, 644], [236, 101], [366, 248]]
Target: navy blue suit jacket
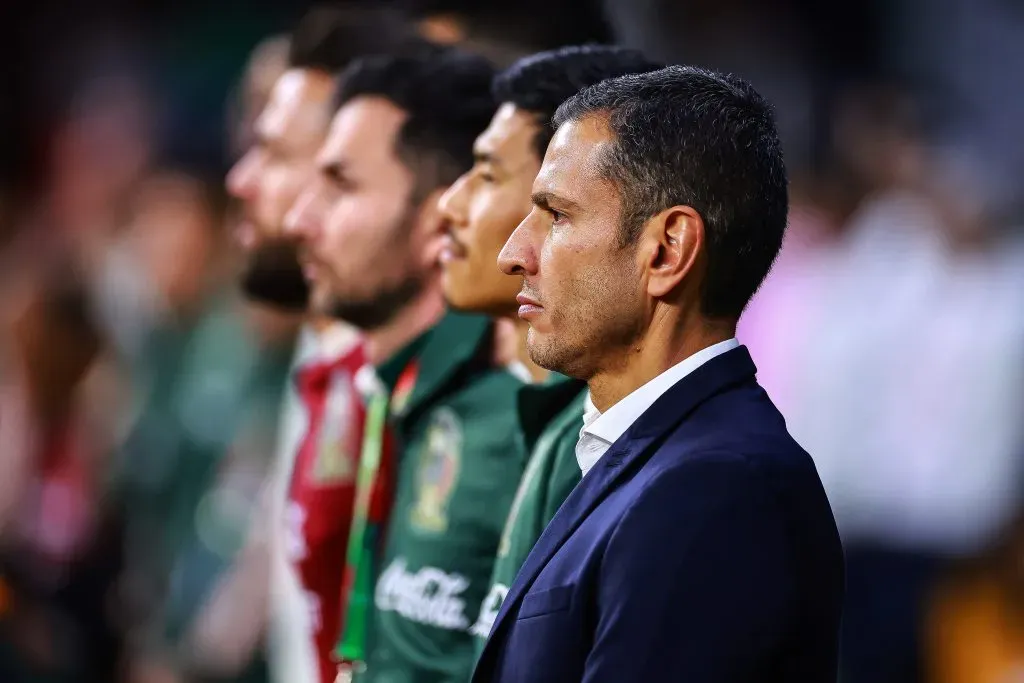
[[700, 549]]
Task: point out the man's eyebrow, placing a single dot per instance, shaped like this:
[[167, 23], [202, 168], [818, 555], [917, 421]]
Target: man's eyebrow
[[482, 156], [262, 140], [545, 199]]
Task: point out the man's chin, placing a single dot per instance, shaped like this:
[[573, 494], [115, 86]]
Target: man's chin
[[273, 276], [281, 291], [546, 353], [374, 311]]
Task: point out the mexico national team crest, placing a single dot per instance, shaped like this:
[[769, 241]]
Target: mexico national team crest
[[440, 453], [334, 463]]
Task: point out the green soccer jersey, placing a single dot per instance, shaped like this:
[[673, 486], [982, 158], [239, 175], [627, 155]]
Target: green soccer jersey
[[551, 474], [457, 476]]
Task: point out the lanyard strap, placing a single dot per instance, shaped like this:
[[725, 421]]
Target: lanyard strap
[[364, 535]]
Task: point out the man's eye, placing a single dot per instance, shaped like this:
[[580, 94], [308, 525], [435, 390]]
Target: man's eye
[[342, 184], [487, 176], [556, 216]]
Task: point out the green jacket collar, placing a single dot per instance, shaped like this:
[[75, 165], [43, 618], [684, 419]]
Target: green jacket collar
[[390, 370], [537, 404], [456, 346]]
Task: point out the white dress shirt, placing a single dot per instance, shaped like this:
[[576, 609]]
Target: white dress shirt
[[601, 430]]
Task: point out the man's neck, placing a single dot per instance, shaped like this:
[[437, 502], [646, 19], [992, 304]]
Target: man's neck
[[663, 346], [321, 323], [272, 328], [410, 322]]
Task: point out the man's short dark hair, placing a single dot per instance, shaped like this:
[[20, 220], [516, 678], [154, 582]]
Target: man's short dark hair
[[330, 37], [689, 136], [541, 82], [446, 94]]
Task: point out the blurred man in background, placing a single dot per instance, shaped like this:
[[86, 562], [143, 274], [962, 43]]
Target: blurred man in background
[[312, 492], [289, 130], [482, 209], [207, 383], [372, 236], [266, 64]]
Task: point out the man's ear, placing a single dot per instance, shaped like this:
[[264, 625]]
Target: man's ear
[[675, 238], [430, 227]]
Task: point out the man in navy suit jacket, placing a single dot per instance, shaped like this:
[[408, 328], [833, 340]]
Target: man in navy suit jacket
[[699, 546]]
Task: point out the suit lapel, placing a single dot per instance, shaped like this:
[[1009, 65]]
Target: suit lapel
[[718, 374]]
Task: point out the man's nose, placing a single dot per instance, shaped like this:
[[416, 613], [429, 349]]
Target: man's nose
[[241, 179], [452, 203], [519, 255], [303, 220]]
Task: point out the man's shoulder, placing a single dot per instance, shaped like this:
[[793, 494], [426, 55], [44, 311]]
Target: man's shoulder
[[740, 426], [755, 466], [738, 461], [716, 470], [680, 505]]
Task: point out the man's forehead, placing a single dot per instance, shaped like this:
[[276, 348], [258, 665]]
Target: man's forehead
[[364, 123], [573, 163], [583, 135], [368, 112], [511, 131], [298, 100]]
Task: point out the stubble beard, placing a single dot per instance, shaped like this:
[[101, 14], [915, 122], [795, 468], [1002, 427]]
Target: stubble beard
[[595, 332], [373, 313]]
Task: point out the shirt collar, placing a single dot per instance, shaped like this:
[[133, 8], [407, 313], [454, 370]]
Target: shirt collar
[[368, 384], [307, 346], [590, 411], [337, 340], [613, 423], [390, 370]]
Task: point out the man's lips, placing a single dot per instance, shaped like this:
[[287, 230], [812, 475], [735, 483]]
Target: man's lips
[[310, 267], [528, 307], [452, 250]]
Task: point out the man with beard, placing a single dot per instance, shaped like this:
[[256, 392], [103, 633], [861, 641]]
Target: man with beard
[[372, 236], [288, 133], [311, 503], [483, 208]]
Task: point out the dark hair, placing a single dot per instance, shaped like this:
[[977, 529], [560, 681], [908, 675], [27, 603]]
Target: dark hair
[[689, 136], [446, 94], [330, 37], [541, 82]]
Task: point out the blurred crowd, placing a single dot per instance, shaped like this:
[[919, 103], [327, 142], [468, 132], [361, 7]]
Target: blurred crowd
[[140, 391]]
